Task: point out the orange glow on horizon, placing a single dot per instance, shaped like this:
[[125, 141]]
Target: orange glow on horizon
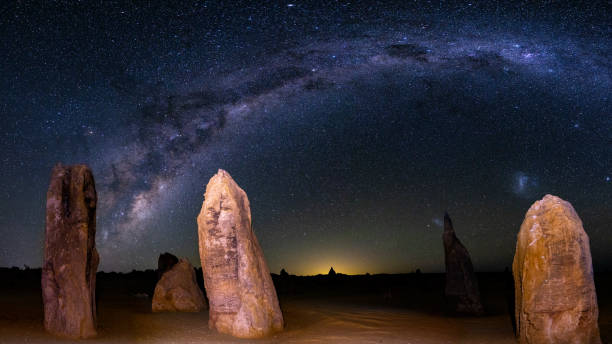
[[322, 264]]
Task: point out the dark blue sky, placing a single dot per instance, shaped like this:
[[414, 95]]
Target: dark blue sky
[[352, 127]]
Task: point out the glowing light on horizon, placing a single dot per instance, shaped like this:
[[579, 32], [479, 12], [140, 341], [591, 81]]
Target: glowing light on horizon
[[344, 264]]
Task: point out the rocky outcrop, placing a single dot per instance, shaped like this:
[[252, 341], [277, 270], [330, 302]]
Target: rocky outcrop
[[178, 291], [165, 262], [242, 298], [553, 276], [461, 290], [70, 257]]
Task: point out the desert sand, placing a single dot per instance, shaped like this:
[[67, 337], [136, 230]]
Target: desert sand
[[348, 309]]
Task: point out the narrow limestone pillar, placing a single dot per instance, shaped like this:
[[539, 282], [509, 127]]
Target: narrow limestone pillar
[[70, 256], [461, 289]]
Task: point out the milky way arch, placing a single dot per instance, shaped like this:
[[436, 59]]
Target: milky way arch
[[173, 127]]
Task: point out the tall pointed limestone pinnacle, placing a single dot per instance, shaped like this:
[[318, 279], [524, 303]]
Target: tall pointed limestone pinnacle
[[555, 300], [242, 298], [461, 284], [70, 258]]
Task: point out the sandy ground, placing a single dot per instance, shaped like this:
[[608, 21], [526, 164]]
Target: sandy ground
[[310, 318], [127, 319]]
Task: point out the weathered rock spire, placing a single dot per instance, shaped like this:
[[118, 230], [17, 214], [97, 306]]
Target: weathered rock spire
[[461, 289], [239, 287], [70, 258], [555, 300]]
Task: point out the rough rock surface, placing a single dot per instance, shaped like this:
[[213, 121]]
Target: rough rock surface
[[70, 258], [165, 262], [178, 291], [553, 276], [242, 298], [461, 289]]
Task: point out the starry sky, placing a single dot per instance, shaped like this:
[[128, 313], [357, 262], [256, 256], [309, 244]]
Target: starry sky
[[352, 127]]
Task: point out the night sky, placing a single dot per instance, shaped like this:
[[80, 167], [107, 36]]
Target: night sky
[[352, 127]]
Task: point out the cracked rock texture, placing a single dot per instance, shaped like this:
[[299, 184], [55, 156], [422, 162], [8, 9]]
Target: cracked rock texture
[[70, 258], [242, 298], [461, 290], [553, 277], [178, 290]]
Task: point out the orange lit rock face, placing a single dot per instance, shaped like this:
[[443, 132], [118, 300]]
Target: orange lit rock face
[[178, 291], [461, 284], [553, 277], [242, 298], [70, 257]]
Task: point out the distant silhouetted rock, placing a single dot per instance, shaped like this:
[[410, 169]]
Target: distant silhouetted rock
[[284, 273], [461, 284], [332, 272], [177, 290], [242, 298], [553, 276], [68, 275], [165, 262]]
